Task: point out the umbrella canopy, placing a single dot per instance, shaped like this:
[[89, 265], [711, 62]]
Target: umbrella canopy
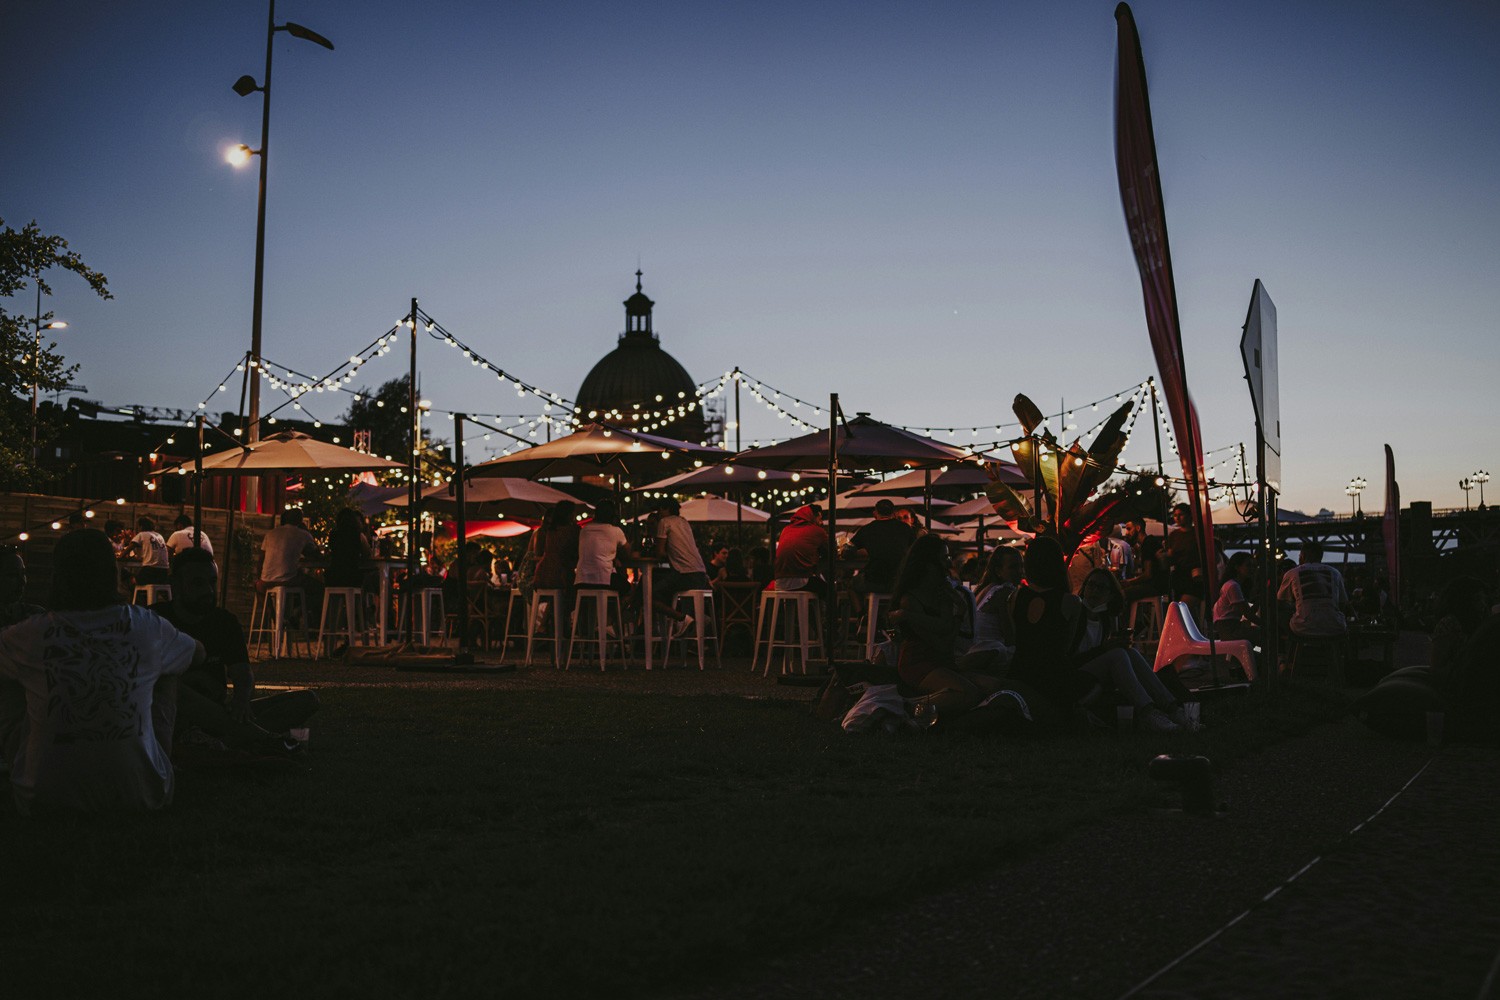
[[287, 452], [496, 495], [717, 510], [972, 508], [864, 444], [599, 450], [727, 476], [995, 530], [971, 473]]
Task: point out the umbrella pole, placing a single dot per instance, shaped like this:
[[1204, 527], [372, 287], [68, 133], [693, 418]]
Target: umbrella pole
[[198, 489], [464, 655], [833, 520], [413, 488], [927, 497]]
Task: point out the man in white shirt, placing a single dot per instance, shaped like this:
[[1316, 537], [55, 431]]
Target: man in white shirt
[[600, 543], [151, 549], [182, 538], [283, 548], [1317, 596], [675, 543]]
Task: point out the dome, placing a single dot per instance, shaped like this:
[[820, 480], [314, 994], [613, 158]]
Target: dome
[[638, 377]]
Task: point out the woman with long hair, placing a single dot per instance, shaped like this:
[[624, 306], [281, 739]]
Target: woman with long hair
[[926, 614]]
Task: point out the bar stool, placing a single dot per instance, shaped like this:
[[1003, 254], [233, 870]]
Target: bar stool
[[604, 602], [1154, 610], [705, 627], [278, 632], [428, 617], [154, 592], [803, 625], [515, 599], [874, 603], [353, 626], [553, 599], [1323, 654]]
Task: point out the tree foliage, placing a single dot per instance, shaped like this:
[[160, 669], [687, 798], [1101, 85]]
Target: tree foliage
[[26, 255]]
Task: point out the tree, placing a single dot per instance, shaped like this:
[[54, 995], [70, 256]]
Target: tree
[[385, 413], [25, 257]]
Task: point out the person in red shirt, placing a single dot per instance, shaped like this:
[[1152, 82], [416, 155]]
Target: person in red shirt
[[801, 552]]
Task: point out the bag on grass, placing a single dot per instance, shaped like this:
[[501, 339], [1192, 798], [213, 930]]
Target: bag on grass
[[880, 706]]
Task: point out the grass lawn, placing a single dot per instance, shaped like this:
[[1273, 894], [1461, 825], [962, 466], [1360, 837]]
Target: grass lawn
[[526, 841]]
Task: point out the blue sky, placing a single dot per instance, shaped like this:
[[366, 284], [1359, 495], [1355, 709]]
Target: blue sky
[[913, 205]]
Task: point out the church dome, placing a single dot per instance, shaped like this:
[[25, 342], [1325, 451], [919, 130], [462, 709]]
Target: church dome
[[640, 386]]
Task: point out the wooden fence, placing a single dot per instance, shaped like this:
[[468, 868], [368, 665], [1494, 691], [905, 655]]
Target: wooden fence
[[35, 515]]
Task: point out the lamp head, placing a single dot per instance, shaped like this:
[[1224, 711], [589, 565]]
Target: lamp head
[[239, 155], [245, 86], [306, 34]]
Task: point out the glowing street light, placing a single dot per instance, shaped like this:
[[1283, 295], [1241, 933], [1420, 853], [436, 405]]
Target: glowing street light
[[240, 155], [1481, 477], [36, 360], [1467, 485], [1353, 490]]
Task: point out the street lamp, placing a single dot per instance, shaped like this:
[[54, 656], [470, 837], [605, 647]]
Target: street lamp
[[1353, 490], [36, 362], [1466, 484], [240, 155], [1481, 477]]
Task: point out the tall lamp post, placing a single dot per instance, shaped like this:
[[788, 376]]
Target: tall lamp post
[[1467, 485], [1353, 490], [36, 363], [1481, 477], [239, 156]]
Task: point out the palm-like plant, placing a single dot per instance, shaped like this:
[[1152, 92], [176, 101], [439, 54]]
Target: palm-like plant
[[1064, 478]]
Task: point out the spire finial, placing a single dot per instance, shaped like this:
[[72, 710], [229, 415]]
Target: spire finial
[[637, 279]]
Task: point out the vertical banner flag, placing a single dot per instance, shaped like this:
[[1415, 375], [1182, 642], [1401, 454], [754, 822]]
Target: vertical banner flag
[[1145, 216], [1392, 528]]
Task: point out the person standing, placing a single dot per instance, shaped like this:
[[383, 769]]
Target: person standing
[[884, 542]]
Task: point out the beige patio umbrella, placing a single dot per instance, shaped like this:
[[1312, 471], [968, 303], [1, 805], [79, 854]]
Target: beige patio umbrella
[[287, 452], [495, 496]]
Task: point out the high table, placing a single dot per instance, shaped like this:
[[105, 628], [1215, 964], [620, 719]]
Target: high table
[[648, 615]]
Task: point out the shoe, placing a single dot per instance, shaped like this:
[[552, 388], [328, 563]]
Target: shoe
[[1179, 717], [1156, 720], [679, 629]]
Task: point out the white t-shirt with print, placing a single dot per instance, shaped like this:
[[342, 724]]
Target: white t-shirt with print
[[152, 549], [1317, 595], [183, 539], [88, 677]]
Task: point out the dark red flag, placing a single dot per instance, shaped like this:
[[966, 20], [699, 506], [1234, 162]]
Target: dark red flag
[[1146, 218]]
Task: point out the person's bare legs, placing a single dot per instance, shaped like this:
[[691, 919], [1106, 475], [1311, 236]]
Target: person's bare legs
[[949, 691]]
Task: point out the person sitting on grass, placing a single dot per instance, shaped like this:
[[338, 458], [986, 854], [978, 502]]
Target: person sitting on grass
[[100, 680], [1047, 621], [206, 701], [926, 612], [994, 632], [1106, 657]]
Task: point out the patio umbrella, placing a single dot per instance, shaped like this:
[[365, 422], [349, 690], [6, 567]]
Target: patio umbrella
[[981, 507], [717, 510], [600, 450], [287, 452], [863, 445], [494, 496], [968, 474]]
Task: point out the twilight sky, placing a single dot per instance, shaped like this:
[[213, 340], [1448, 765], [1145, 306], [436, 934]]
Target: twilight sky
[[911, 204]]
